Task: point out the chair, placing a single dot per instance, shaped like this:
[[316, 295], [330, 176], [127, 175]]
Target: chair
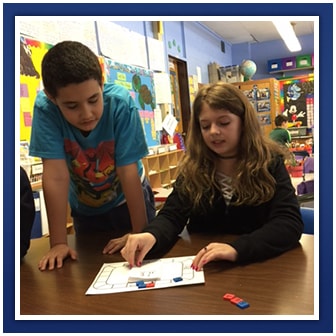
[[308, 219], [301, 155], [308, 165], [307, 187]]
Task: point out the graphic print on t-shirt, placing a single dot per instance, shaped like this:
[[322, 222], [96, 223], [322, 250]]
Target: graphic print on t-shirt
[[93, 171]]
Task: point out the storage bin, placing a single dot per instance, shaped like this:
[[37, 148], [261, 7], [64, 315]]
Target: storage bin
[[274, 65], [288, 63], [295, 171], [303, 61]]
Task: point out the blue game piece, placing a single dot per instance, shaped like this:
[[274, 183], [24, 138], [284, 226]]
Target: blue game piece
[[140, 283], [243, 304], [177, 279]]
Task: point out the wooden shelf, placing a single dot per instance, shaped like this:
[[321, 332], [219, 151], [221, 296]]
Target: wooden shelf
[[36, 185], [302, 137], [161, 169]]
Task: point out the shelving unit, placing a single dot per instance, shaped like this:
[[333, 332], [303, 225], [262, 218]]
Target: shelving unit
[[161, 169], [292, 70]]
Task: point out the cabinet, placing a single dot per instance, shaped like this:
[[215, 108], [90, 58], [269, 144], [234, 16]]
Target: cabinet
[[264, 95], [161, 169]]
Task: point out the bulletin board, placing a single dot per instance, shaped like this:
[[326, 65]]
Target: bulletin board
[[140, 83], [297, 99], [31, 54]]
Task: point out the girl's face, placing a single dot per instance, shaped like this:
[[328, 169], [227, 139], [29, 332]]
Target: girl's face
[[221, 130], [81, 104]]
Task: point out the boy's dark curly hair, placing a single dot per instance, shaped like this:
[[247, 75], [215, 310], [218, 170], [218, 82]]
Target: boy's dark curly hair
[[69, 62]]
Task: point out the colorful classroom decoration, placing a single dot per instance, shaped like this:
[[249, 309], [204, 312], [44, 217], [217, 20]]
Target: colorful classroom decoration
[[297, 100], [140, 83], [31, 54]]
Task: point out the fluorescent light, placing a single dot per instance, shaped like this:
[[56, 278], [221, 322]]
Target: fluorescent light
[[287, 33]]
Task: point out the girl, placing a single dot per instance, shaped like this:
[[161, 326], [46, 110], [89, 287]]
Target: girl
[[232, 180]]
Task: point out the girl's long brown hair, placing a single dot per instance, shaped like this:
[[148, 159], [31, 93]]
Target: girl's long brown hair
[[253, 184]]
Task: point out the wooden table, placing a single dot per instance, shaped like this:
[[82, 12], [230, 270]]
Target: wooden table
[[279, 286]]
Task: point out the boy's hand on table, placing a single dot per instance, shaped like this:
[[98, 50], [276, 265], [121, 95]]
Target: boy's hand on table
[[115, 244], [55, 256]]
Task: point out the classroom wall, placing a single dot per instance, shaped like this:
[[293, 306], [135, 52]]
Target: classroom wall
[[204, 47], [133, 43], [198, 46], [142, 27], [189, 41]]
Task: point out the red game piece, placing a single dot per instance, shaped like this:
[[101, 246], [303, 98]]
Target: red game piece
[[150, 284], [236, 300], [228, 296]]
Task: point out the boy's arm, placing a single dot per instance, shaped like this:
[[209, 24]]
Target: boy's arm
[[289, 137], [55, 183], [132, 188]]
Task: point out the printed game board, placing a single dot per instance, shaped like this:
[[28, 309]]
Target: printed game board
[[153, 274]]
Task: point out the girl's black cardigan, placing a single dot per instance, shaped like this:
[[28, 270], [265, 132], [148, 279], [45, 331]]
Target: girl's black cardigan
[[264, 231]]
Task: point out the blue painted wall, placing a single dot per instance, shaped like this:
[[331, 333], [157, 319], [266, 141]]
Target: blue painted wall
[[204, 47], [174, 39], [198, 46]]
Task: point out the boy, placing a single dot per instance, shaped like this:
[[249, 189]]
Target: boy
[[91, 140], [280, 133]]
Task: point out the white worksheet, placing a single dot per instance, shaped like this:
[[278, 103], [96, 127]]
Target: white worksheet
[[152, 274]]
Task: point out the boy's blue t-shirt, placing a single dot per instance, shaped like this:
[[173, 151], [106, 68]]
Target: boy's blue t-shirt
[[117, 140]]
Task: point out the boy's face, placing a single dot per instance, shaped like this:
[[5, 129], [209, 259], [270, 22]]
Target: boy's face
[[81, 104]]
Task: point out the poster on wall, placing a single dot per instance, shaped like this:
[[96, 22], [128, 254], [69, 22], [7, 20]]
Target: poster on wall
[[264, 119], [31, 54], [121, 44], [140, 83], [53, 31], [297, 100]]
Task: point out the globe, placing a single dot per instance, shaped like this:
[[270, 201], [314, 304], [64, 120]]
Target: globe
[[247, 68]]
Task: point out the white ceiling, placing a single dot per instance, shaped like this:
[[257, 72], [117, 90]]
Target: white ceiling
[[253, 31]]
